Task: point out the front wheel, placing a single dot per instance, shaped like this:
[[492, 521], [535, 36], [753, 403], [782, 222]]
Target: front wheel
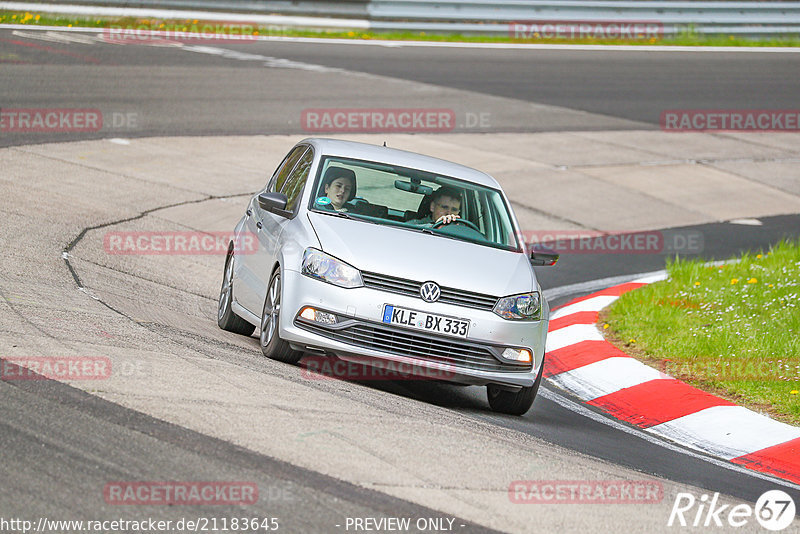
[[271, 343], [513, 402]]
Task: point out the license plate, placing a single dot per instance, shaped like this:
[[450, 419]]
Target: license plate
[[429, 322]]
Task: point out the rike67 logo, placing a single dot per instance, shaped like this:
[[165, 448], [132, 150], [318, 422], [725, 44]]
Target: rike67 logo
[[774, 510]]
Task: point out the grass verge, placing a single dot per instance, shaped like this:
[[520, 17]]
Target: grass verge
[[688, 38], [733, 329]]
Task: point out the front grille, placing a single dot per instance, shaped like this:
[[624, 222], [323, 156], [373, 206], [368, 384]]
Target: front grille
[[449, 295], [402, 342]]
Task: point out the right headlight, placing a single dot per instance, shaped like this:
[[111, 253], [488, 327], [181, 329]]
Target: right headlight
[[523, 307], [325, 267]]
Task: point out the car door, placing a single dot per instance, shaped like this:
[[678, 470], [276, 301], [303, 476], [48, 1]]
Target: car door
[[250, 280]]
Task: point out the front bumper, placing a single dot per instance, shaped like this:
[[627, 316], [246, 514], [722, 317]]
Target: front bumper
[[360, 333]]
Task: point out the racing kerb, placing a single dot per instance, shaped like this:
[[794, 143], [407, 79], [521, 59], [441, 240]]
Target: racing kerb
[[580, 361]]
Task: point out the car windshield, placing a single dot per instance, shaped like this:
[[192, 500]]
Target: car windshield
[[399, 196]]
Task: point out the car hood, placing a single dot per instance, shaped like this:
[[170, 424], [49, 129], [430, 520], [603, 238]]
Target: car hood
[[417, 256]]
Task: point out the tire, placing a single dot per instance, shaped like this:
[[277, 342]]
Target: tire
[[226, 319], [513, 402], [269, 337]]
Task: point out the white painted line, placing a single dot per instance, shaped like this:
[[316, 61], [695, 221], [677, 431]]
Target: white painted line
[[591, 304], [561, 400], [726, 431], [649, 279], [746, 222], [606, 376], [595, 285], [56, 37], [569, 335], [267, 61], [73, 38]]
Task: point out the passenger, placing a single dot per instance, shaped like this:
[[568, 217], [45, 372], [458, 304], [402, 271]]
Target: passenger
[[339, 185], [445, 207]]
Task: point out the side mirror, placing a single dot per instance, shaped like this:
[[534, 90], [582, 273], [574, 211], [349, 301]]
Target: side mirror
[[542, 256], [273, 202]]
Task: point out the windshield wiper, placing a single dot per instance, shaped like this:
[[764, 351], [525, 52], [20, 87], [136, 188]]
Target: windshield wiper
[[337, 214]]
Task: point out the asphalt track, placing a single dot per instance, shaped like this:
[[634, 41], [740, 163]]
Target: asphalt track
[[173, 92], [210, 89]]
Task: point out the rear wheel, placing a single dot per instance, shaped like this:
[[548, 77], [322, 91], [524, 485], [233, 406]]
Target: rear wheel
[[226, 319], [271, 343], [513, 402]]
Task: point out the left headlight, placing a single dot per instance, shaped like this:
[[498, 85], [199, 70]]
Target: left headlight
[[524, 307], [317, 264]]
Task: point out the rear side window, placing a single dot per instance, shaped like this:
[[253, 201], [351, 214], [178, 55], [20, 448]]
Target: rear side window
[[278, 179], [294, 184]]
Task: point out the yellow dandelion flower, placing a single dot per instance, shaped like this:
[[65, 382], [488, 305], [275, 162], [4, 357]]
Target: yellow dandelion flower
[[38, 17], [631, 341], [753, 281], [605, 326], [759, 256], [772, 285], [696, 284], [794, 392], [734, 281]]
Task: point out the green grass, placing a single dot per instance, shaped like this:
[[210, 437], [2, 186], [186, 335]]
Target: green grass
[[688, 38], [733, 329]]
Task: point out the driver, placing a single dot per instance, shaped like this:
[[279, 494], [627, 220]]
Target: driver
[[445, 207]]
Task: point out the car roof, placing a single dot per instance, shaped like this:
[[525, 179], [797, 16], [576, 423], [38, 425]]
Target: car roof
[[403, 158]]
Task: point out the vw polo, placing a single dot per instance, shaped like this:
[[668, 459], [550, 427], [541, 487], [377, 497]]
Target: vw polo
[[351, 263]]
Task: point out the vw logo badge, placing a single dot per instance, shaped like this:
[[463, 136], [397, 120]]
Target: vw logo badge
[[430, 292]]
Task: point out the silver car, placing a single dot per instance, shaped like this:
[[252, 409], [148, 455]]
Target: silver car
[[344, 254]]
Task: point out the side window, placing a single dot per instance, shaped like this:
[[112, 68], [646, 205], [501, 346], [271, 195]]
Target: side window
[[286, 166], [296, 181]]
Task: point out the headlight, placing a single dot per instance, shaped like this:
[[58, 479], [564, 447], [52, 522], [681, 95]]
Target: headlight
[[526, 307], [317, 264]]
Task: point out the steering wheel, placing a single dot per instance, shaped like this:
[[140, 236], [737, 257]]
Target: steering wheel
[[458, 221]]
